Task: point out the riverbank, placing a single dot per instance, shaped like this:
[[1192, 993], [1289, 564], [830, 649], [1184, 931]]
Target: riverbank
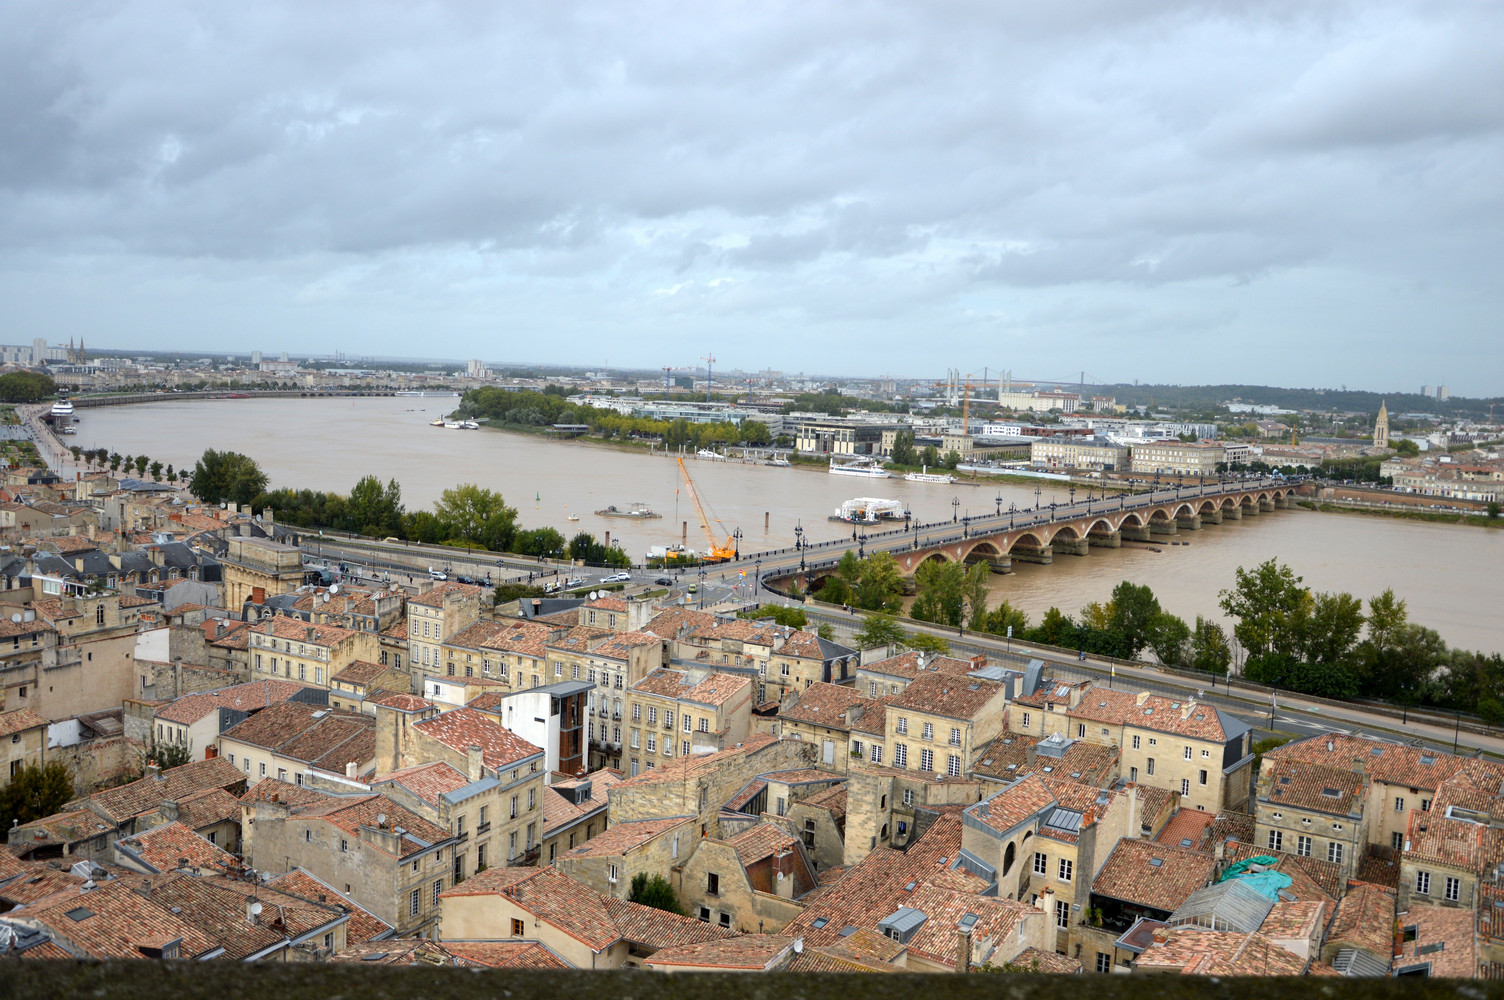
[[1401, 514]]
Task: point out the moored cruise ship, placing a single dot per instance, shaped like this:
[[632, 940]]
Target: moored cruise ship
[[63, 407], [869, 469]]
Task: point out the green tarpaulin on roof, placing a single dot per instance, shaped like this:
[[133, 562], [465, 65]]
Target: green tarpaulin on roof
[[1267, 883]]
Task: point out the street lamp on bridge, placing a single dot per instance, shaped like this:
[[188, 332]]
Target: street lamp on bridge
[[1037, 491], [1011, 510], [799, 543], [999, 499], [1072, 492], [737, 546], [955, 509]]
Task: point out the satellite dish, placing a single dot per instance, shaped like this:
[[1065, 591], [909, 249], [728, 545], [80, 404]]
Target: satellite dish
[[324, 598], [594, 595], [16, 618], [334, 589]]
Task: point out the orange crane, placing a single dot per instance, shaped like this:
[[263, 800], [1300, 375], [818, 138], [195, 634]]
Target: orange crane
[[714, 553]]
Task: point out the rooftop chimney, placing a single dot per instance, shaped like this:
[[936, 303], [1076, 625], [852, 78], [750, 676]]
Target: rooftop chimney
[[153, 771], [352, 770], [477, 763], [963, 950]]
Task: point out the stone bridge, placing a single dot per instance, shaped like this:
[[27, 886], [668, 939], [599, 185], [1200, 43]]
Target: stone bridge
[[1036, 536]]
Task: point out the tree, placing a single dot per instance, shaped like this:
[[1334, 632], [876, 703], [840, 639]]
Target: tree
[[782, 614], [172, 475], [826, 631], [76, 451], [1210, 652], [1134, 609], [655, 891], [538, 542], [1493, 510], [923, 642], [903, 448], [1054, 629], [880, 586], [1169, 638], [167, 756], [948, 591], [1004, 616], [1331, 628], [952, 459], [35, 791], [879, 629], [141, 463], [1405, 448], [25, 387], [115, 460], [478, 516], [227, 477], [375, 509], [1268, 603], [156, 471]]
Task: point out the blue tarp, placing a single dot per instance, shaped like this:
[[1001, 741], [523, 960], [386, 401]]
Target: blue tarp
[[1266, 883]]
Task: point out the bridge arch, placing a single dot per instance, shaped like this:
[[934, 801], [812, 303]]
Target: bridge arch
[[1185, 510], [985, 549], [1159, 515], [1102, 523], [1066, 531], [1133, 520]]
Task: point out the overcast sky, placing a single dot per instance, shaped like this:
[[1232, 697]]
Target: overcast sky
[[1295, 193]]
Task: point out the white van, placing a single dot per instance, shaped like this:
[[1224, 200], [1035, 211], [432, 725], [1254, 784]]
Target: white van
[[435, 574]]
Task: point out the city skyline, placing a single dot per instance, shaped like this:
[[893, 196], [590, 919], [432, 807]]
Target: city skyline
[[1303, 196]]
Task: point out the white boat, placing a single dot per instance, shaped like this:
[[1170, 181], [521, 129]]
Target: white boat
[[779, 463], [924, 475], [573, 517], [63, 407], [867, 470], [436, 422], [710, 456], [462, 425], [870, 510]]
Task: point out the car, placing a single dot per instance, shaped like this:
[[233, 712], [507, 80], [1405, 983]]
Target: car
[[617, 578], [663, 581], [437, 574], [466, 579], [693, 587], [575, 581]]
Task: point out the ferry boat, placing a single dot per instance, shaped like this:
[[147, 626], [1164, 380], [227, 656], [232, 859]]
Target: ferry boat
[[779, 463], [870, 510], [436, 422], [705, 454], [636, 509], [924, 475], [867, 470], [573, 517], [462, 425], [63, 408]]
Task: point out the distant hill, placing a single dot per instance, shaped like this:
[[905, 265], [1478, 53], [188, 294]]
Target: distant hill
[[1350, 400]]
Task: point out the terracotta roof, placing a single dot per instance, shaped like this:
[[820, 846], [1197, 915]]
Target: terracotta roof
[[908, 665], [682, 768], [360, 672], [120, 804], [426, 781], [595, 920], [1444, 939], [1034, 960], [297, 630], [559, 812], [624, 837], [1311, 878], [217, 906], [1187, 828], [362, 926], [1393, 763], [1378, 871], [462, 728], [434, 597], [1314, 787], [712, 689], [1020, 801], [761, 841], [1007, 756], [174, 845], [240, 697], [823, 704], [1194, 951], [19, 721], [460, 954], [351, 814], [403, 702], [833, 799], [745, 953], [1364, 920], [1457, 843], [1178, 716], [1297, 920], [115, 921], [324, 738], [942, 694], [825, 960], [1159, 876]]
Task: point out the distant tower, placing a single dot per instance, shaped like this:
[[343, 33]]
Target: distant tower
[[1381, 427]]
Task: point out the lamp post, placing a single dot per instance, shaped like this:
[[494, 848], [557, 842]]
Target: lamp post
[[757, 577], [999, 500], [955, 509], [1011, 511], [737, 547], [1072, 492], [1037, 492], [966, 526], [799, 543]]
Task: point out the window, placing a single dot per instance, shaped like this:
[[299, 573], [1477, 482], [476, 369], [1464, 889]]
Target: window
[[926, 759], [955, 737], [1153, 742], [903, 725], [1081, 730], [1026, 720], [308, 836], [1453, 889], [414, 901], [1133, 774], [705, 914], [1062, 914], [459, 868], [652, 742], [480, 856], [281, 774], [1185, 786], [929, 730], [1041, 863], [1334, 853], [263, 769], [636, 712], [687, 721], [704, 725], [652, 715], [953, 766], [684, 747], [712, 884], [1104, 962], [1276, 840], [877, 753], [519, 929], [1397, 840], [481, 825], [1065, 869], [900, 755], [344, 846], [1136, 741], [1399, 804], [1187, 753], [438, 887], [908, 796], [1425, 805], [725, 920], [1203, 776], [1149, 765], [1303, 846], [1423, 883], [668, 719]]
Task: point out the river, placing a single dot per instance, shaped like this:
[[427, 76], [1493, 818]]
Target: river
[[1447, 575]]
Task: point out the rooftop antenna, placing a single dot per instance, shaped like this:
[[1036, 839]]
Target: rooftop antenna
[[709, 360]]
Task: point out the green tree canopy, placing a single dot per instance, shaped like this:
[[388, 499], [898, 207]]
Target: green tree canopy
[[33, 792], [655, 891], [925, 643], [375, 509], [480, 517], [1210, 651], [225, 477], [879, 629], [25, 387]]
